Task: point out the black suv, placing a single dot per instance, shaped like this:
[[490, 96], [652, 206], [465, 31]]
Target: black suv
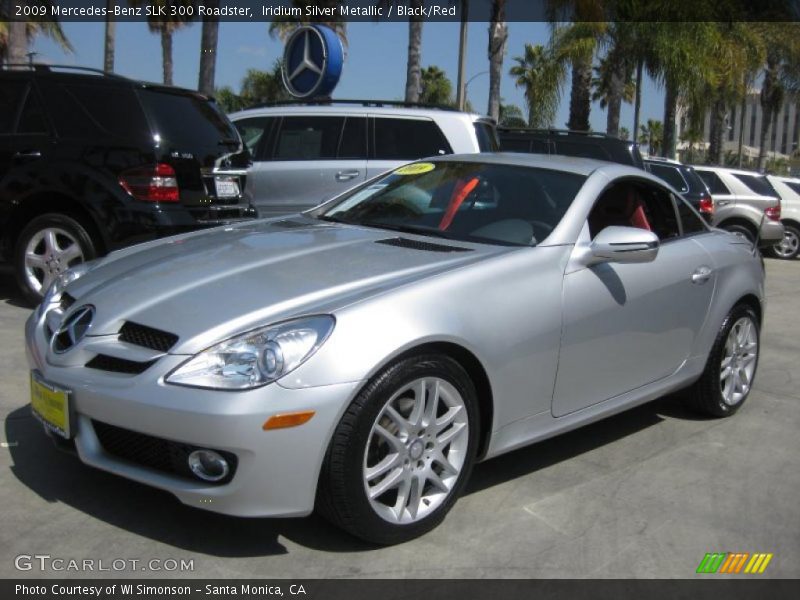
[[684, 179], [91, 162], [585, 144]]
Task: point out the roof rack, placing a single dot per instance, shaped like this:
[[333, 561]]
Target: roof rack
[[560, 132], [44, 68], [365, 103]]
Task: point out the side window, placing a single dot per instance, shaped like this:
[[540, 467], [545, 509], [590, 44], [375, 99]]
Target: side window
[[671, 175], [635, 204], [407, 139], [308, 138], [32, 119], [255, 133], [758, 183], [581, 150], [487, 137], [691, 221], [10, 95], [714, 183], [354, 139]]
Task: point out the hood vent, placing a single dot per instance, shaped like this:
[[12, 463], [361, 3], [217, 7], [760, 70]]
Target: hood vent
[[417, 245], [104, 362], [147, 337], [291, 224]]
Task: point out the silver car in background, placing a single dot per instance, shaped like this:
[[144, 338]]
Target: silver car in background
[[304, 154], [789, 190], [361, 357]]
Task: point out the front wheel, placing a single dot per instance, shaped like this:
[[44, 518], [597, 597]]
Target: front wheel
[[742, 231], [402, 452], [49, 245], [731, 367]]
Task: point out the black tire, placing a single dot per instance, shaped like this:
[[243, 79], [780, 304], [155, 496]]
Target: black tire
[[743, 230], [790, 250], [706, 395], [342, 497], [73, 232]]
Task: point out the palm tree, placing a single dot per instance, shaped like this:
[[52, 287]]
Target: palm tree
[[498, 36], [511, 116], [263, 86], [165, 26], [541, 74], [282, 27], [208, 49], [624, 133], [110, 37], [436, 87], [652, 135], [613, 84], [16, 36]]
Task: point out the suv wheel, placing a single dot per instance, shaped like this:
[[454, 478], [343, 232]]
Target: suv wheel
[[789, 246], [402, 452], [741, 230], [48, 246]]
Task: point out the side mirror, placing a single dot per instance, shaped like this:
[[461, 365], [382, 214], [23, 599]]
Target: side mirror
[[624, 245]]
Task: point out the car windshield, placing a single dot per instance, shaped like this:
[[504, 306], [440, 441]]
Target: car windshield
[[468, 201]]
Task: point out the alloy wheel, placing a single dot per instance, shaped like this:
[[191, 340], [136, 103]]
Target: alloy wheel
[[50, 252], [738, 361], [788, 247], [415, 451]]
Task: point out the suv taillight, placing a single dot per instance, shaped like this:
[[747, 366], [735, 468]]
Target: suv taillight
[[706, 205], [153, 183], [773, 212]]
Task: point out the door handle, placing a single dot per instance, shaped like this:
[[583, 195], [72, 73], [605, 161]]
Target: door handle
[[702, 274], [723, 202], [28, 154], [346, 175]]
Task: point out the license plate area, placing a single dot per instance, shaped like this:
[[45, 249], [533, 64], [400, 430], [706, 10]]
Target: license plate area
[[50, 404], [226, 187]]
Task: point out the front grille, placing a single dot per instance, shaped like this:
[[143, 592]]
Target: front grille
[[417, 245], [148, 337], [153, 452], [104, 362]]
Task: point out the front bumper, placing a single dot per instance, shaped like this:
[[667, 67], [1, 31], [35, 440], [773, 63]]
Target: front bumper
[[277, 470]]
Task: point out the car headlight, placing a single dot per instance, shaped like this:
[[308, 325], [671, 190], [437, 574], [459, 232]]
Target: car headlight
[[255, 358], [53, 293]]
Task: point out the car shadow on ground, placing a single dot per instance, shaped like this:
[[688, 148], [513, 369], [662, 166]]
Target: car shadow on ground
[[58, 476]]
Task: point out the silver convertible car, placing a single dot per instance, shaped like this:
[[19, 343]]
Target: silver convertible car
[[359, 358]]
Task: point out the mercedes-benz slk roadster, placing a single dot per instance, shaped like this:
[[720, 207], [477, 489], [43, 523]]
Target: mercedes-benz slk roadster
[[359, 358]]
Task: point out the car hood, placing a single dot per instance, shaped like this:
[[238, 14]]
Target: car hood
[[206, 286]]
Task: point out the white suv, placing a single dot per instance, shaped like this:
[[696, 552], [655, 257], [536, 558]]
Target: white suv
[[306, 153], [789, 190], [743, 201]]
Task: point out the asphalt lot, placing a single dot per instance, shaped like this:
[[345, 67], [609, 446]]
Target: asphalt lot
[[643, 494]]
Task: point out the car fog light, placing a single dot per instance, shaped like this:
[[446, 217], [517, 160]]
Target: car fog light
[[208, 465]]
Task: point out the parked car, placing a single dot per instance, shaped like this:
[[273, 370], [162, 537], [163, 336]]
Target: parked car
[[362, 356], [685, 180], [586, 144], [91, 162], [743, 202], [789, 190], [306, 153]]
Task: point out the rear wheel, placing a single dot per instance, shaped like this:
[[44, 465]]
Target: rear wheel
[[789, 246], [402, 452], [728, 377], [744, 231], [48, 246]]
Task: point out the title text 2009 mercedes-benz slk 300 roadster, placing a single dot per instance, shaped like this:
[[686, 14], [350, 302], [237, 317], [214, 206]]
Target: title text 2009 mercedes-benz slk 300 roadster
[[361, 357]]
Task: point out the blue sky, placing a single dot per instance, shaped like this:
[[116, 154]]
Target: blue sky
[[374, 68]]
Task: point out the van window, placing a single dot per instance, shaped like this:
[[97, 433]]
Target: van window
[[487, 138], [255, 133], [671, 175], [714, 183], [354, 139], [308, 138], [407, 139], [759, 184]]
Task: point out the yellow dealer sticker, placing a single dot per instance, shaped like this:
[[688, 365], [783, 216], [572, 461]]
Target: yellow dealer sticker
[[415, 169]]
